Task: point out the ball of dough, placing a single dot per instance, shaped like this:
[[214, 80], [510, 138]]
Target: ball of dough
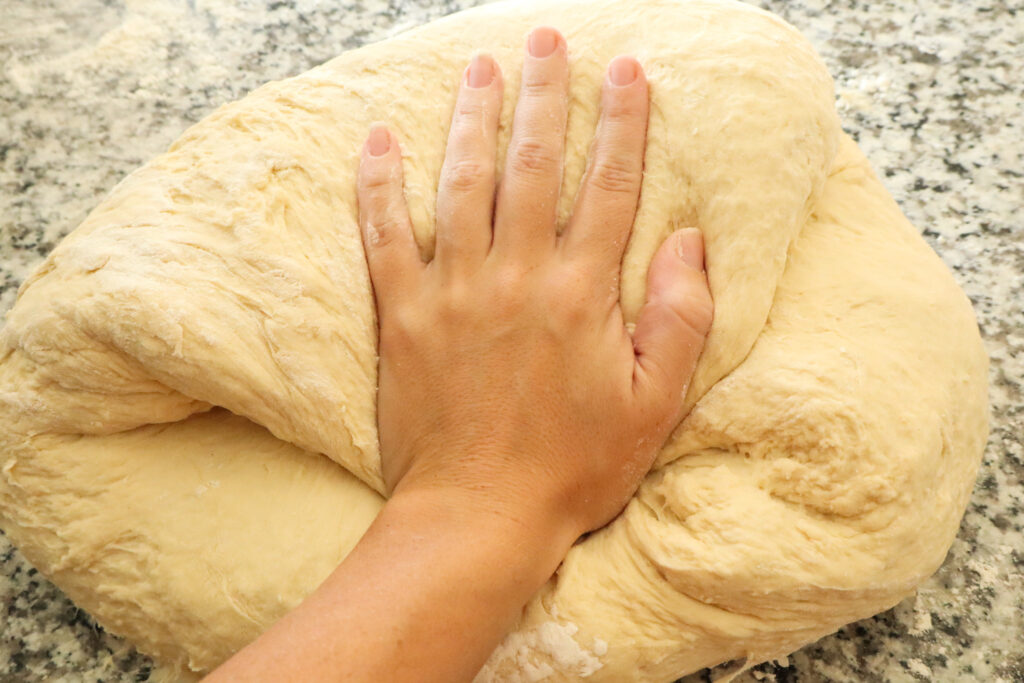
[[187, 383]]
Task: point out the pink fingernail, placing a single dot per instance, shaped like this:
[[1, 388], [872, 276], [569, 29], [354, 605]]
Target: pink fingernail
[[380, 140], [543, 42], [623, 70], [481, 72], [690, 247]]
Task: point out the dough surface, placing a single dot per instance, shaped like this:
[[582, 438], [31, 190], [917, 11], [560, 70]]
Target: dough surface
[[187, 383]]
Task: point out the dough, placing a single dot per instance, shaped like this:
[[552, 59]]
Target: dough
[[187, 383]]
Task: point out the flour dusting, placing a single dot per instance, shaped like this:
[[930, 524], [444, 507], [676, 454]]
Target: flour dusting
[[540, 652]]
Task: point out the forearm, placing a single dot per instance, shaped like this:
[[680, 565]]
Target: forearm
[[426, 595]]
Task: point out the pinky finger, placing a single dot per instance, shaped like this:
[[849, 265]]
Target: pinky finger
[[391, 252]]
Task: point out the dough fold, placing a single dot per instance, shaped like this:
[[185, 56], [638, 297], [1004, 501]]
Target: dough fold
[[187, 383]]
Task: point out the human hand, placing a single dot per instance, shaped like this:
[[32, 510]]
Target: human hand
[[507, 378], [515, 410]]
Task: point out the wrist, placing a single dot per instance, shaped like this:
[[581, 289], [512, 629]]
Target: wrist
[[527, 537]]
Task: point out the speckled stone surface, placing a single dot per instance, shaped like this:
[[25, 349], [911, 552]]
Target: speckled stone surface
[[90, 89]]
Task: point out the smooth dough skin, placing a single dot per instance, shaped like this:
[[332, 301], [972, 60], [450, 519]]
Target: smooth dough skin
[[187, 384]]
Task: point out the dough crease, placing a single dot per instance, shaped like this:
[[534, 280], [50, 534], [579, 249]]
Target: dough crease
[[187, 383]]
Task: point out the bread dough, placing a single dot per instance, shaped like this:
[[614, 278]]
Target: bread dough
[[171, 373]]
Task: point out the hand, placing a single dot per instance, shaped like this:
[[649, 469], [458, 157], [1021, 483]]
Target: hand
[[515, 410], [507, 377]]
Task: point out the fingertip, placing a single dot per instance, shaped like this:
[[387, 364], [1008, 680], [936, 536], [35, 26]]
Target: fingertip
[[378, 143], [497, 84], [689, 247], [483, 71], [380, 162], [680, 255], [677, 278], [624, 71], [624, 93], [544, 41], [678, 314]]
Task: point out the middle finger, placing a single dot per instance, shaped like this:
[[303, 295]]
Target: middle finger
[[528, 195]]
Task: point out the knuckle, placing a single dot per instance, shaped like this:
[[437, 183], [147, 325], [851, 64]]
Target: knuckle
[[616, 175], [381, 230], [533, 156], [567, 291], [622, 110], [466, 174], [400, 327], [565, 282], [377, 182], [379, 177], [470, 107], [540, 87], [455, 305], [508, 280], [693, 313], [699, 314], [510, 292]]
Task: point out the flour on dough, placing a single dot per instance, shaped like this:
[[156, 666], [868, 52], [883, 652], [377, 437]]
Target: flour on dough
[[187, 383]]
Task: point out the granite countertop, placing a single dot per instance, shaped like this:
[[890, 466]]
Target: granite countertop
[[91, 89]]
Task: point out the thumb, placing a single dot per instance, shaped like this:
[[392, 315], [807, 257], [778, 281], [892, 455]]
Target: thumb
[[674, 321]]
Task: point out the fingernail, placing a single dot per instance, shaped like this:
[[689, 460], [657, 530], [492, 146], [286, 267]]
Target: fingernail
[[690, 247], [623, 70], [543, 42], [481, 72], [380, 141]]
